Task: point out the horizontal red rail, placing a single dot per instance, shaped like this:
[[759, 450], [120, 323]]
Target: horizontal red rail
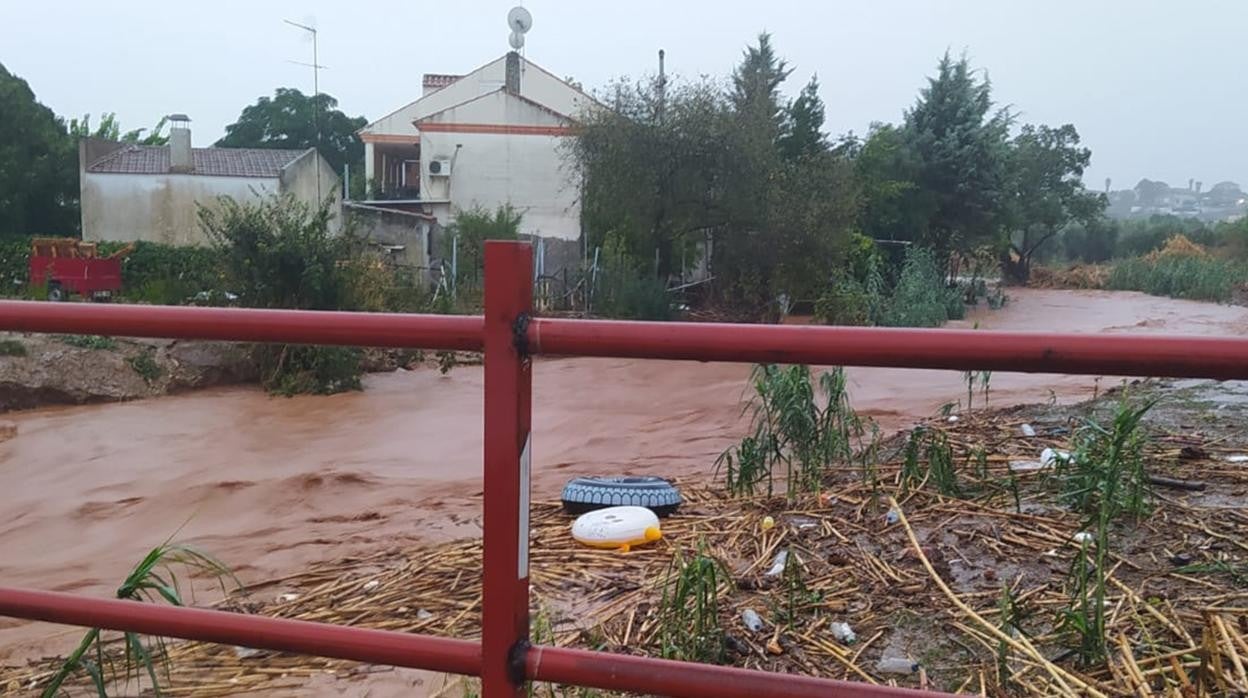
[[1034, 352], [461, 332], [557, 665], [966, 350], [259, 632], [617, 672]]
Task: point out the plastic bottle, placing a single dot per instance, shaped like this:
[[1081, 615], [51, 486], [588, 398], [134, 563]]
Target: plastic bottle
[[896, 665], [777, 566], [843, 633], [752, 620], [891, 517], [1028, 430]]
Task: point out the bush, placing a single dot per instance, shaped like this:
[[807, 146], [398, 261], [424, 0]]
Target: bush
[[279, 253], [921, 298], [14, 264], [473, 227], [846, 303], [88, 341], [12, 347], [168, 274], [296, 370], [624, 292], [145, 365]]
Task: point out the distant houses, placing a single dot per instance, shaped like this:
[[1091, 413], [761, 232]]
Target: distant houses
[[135, 192], [1224, 201]]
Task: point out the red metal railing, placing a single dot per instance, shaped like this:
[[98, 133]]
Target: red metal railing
[[504, 659]]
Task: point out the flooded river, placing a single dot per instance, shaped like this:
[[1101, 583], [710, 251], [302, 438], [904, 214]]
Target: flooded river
[[272, 484]]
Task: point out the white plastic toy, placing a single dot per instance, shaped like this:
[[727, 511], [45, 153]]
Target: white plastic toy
[[617, 527]]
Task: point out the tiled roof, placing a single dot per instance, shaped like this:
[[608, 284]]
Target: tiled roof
[[438, 81], [219, 162]]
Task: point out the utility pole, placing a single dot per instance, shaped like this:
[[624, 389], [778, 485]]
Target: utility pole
[[316, 66]]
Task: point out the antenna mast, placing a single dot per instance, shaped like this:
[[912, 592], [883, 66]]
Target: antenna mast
[[316, 66]]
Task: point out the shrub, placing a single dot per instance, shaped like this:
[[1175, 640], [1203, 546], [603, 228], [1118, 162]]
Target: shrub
[[88, 341], [922, 298], [279, 253], [12, 347], [472, 227], [168, 274], [621, 290], [145, 365]]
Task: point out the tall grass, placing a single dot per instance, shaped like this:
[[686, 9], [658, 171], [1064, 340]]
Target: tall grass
[[152, 580], [1190, 277], [1105, 479], [689, 626], [928, 458], [793, 429], [919, 298]]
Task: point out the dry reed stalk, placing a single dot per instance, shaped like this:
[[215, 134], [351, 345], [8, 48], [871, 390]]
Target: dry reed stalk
[[1063, 678]]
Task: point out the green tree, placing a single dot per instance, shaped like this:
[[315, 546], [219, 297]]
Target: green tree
[[38, 165], [1046, 193], [109, 129], [291, 119], [960, 146], [756, 89], [652, 168], [803, 135], [894, 207]]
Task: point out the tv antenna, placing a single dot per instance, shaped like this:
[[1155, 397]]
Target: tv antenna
[[520, 22], [316, 67]]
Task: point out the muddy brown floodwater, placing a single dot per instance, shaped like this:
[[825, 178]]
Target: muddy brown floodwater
[[270, 485]]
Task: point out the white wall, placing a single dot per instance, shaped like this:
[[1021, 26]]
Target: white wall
[[535, 84], [523, 170], [299, 179], [158, 208]]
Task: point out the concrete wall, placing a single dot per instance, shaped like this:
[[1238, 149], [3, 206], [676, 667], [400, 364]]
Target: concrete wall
[[158, 208], [299, 179], [389, 228]]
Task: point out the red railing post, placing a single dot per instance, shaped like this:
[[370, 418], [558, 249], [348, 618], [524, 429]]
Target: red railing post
[[508, 391]]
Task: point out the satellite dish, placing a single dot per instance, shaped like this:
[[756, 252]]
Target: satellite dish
[[516, 40], [519, 20]]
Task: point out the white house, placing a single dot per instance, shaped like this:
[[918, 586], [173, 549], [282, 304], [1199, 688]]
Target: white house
[[485, 139], [141, 192]]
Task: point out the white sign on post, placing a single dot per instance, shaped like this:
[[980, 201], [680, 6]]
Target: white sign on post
[[523, 532]]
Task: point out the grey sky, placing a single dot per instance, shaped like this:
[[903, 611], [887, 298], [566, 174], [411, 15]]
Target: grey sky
[[1155, 88]]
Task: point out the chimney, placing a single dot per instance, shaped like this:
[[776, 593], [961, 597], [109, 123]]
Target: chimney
[[512, 79], [180, 157]]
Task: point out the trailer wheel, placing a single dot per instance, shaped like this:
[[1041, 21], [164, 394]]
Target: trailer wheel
[[56, 294]]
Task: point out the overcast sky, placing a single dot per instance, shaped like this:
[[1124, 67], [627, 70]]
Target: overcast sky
[[1155, 88]]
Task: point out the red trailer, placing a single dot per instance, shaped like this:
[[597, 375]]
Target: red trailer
[[69, 265]]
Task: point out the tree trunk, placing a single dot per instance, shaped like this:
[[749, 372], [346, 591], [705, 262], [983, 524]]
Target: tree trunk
[[1015, 267]]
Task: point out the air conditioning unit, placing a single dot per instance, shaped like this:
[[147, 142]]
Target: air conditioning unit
[[439, 167]]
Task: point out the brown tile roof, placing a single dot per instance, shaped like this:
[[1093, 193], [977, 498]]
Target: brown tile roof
[[212, 162]]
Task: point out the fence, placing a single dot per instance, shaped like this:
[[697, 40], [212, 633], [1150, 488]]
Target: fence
[[510, 337]]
